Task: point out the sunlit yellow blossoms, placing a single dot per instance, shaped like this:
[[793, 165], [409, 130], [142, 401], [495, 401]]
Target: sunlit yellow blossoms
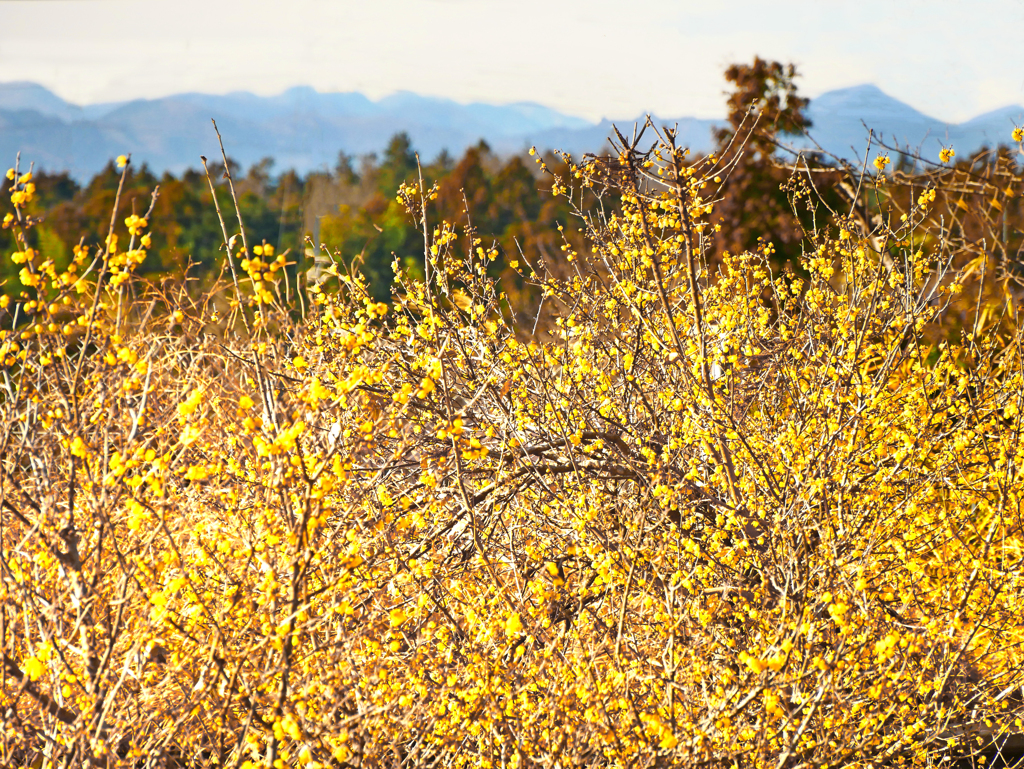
[[716, 512], [135, 224]]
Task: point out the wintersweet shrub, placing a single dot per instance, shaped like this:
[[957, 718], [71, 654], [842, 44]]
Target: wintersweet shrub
[[717, 516]]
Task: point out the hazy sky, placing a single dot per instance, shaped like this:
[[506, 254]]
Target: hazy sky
[[952, 59]]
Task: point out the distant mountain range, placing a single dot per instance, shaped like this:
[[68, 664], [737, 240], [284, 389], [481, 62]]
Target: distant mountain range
[[841, 119], [304, 129]]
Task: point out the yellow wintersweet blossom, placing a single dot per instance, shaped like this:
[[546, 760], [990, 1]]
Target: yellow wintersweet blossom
[[946, 154], [79, 448], [513, 625], [33, 668], [191, 403], [135, 224], [881, 162]]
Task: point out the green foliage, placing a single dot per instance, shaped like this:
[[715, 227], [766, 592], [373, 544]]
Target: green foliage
[[352, 212]]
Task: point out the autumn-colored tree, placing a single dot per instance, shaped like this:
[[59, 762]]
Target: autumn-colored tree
[[763, 109], [504, 201]]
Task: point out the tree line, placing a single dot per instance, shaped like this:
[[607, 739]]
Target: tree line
[[352, 212]]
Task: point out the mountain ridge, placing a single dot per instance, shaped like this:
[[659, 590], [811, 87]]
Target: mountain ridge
[[305, 129]]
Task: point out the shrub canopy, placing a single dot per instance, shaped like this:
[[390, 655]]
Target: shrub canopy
[[717, 516]]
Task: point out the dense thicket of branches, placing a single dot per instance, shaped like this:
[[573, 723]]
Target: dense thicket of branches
[[719, 514]]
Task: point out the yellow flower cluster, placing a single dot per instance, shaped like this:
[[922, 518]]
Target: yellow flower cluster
[[713, 514], [264, 274], [22, 191]]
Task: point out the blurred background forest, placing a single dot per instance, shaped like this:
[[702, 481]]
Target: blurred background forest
[[352, 211]]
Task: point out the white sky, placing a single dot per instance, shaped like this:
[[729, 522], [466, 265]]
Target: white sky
[[952, 59]]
